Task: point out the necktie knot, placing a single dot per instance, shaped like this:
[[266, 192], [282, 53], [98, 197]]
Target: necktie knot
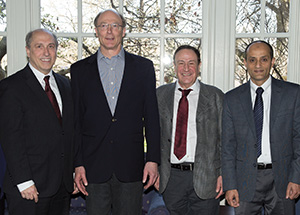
[[46, 78], [185, 92], [259, 91]]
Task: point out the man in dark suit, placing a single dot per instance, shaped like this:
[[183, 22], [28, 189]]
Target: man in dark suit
[[36, 134], [115, 106], [190, 183], [261, 139]]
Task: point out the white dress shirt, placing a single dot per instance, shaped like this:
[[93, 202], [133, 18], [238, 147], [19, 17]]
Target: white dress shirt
[[265, 156], [191, 142]]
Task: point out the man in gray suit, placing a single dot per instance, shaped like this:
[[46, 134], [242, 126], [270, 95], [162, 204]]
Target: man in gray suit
[[261, 139], [190, 175]]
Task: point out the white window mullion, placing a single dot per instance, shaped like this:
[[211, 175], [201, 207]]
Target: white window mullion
[[294, 42], [22, 17], [162, 43], [80, 36]]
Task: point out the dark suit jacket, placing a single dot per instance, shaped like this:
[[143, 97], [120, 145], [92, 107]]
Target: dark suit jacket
[[239, 139], [207, 157], [109, 143], [2, 170], [35, 145]]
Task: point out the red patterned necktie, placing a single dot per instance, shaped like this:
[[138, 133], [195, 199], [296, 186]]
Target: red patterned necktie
[[52, 97], [181, 125]]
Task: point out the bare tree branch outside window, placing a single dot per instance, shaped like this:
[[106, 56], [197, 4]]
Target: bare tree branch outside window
[[248, 21]]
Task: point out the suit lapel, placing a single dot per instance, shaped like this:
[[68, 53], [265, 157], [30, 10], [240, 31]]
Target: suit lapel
[[276, 96], [36, 87], [245, 101], [168, 100], [63, 93], [93, 77], [166, 106], [203, 100]]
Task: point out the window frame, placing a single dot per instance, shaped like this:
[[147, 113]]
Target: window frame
[[218, 39]]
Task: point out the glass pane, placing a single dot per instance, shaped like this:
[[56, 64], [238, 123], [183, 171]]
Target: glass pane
[[3, 22], [90, 46], [90, 9], [66, 55], [142, 16], [170, 46], [183, 16], [277, 16], [279, 70], [241, 76], [59, 16], [281, 54], [248, 15], [3, 58], [146, 47]]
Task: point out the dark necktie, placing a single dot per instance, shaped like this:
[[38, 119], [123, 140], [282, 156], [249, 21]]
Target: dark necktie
[[258, 117], [181, 125], [52, 97]]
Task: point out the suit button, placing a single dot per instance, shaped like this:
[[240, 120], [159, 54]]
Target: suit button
[[113, 120], [254, 165], [62, 155], [111, 141], [255, 145], [169, 140]]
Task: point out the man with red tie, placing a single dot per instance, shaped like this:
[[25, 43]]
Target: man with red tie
[[36, 132], [190, 121]]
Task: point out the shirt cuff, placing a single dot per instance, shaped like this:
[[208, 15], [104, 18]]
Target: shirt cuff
[[23, 186]]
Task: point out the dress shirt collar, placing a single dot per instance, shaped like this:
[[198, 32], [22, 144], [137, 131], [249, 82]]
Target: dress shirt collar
[[265, 85], [39, 75], [195, 87], [121, 54]]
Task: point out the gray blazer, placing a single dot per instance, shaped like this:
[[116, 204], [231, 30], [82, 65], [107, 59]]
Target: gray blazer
[[207, 158], [239, 139]]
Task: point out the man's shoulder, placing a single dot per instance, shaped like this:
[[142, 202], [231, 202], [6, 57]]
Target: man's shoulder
[[14, 78], [137, 57], [90, 59], [165, 88], [211, 89], [285, 84], [238, 90]]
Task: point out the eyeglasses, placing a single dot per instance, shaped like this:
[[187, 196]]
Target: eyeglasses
[[114, 26]]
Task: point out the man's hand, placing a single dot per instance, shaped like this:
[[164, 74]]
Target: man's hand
[[76, 190], [232, 197], [156, 184], [292, 191], [80, 179], [30, 193], [219, 188], [150, 173]]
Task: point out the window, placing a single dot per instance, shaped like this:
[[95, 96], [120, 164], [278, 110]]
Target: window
[[266, 20], [151, 32], [220, 29]]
